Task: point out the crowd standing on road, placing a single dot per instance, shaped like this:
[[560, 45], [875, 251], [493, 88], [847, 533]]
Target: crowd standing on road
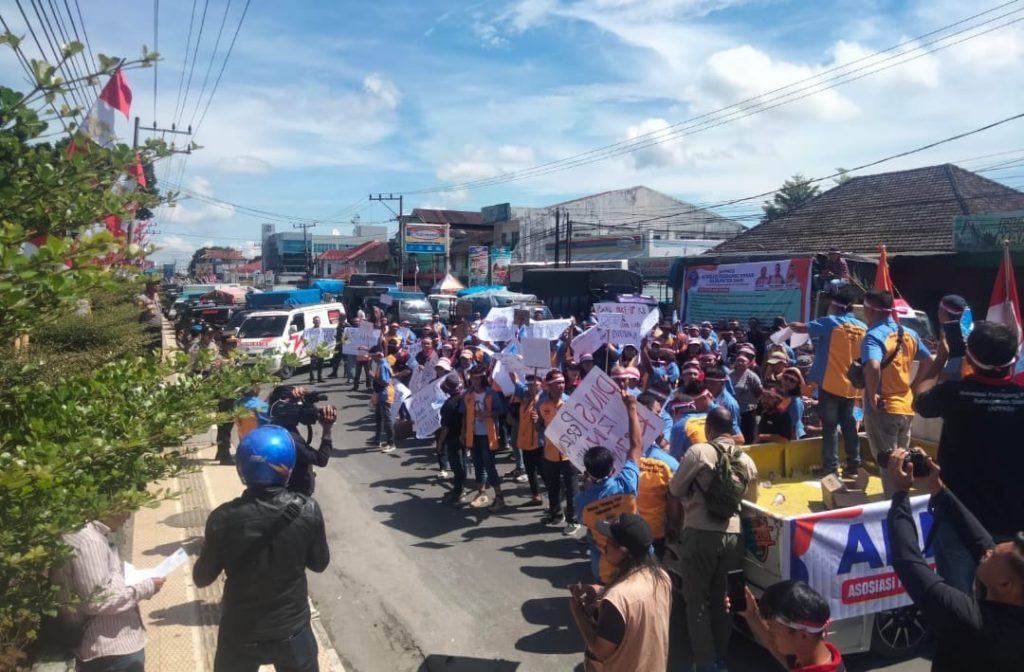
[[670, 502]]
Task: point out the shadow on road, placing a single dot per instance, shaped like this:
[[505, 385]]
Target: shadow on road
[[558, 634], [558, 548], [425, 519], [442, 663]]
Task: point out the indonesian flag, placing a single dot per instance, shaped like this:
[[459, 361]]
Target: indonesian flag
[[1004, 306], [116, 96], [884, 281]]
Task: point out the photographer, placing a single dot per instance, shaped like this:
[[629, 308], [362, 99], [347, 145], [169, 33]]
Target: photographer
[[291, 406], [982, 422], [982, 633]]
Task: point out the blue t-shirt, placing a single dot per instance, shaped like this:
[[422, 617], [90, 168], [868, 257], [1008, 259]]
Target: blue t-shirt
[[796, 415], [666, 418], [683, 431], [665, 374], [384, 375], [728, 401], [837, 341], [626, 482], [259, 407], [655, 452], [879, 341]]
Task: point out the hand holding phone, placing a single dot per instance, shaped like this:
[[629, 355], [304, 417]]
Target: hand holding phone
[[736, 589]]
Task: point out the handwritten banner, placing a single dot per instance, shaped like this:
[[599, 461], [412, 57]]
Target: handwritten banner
[[549, 329], [499, 325], [425, 409], [636, 322], [589, 341], [595, 415], [354, 337]]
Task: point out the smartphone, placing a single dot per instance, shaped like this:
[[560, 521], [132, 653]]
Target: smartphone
[[736, 587], [954, 339]]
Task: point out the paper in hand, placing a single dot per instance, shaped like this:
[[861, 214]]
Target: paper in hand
[[133, 576]]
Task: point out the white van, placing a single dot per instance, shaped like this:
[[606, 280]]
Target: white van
[[274, 332]]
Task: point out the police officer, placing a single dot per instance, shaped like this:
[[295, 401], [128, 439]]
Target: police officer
[[265, 612]]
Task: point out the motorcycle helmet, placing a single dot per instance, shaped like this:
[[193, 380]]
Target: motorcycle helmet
[[266, 456]]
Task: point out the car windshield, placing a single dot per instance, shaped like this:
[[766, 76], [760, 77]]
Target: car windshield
[[236, 320], [262, 326], [416, 306]]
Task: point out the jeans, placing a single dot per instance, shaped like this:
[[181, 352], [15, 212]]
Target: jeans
[[748, 426], [532, 462], [383, 432], [316, 364], [457, 460], [360, 367], [886, 432], [836, 413], [297, 653], [518, 455], [131, 662], [486, 469], [705, 558], [953, 559], [559, 477]]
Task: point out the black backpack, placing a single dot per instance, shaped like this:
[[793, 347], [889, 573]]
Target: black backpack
[[729, 481]]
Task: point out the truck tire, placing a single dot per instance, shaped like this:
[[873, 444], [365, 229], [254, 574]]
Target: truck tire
[[899, 633]]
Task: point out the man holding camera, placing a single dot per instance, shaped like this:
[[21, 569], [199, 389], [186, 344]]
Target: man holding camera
[[982, 422], [293, 406]]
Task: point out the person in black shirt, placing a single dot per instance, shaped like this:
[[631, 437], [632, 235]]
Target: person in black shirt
[[450, 436], [776, 423], [306, 457], [264, 541], [979, 448], [971, 633]]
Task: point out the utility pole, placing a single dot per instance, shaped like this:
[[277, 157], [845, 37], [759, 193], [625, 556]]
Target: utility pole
[[381, 198], [568, 241], [558, 240], [135, 146], [306, 247]]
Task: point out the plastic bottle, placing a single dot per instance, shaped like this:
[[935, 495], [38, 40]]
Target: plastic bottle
[[778, 499]]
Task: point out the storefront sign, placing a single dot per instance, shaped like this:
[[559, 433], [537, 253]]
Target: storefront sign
[[986, 233], [426, 238]]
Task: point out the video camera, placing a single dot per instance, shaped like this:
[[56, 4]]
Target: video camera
[[917, 458], [287, 410]]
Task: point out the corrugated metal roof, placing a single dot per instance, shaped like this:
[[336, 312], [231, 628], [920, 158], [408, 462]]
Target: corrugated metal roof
[[457, 217]]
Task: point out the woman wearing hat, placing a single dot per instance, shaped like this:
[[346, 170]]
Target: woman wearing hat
[[625, 625], [792, 388]]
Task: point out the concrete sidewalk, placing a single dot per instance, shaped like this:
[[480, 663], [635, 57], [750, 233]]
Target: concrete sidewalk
[[181, 620]]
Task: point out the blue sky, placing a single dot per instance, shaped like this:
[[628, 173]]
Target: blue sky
[[324, 102]]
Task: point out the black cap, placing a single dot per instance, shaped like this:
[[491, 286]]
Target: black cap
[[629, 531]]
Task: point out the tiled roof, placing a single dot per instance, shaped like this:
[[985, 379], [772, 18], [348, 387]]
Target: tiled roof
[[352, 253], [428, 216], [907, 210], [223, 254]]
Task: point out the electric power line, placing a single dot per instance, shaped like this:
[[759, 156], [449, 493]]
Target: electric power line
[[209, 66]]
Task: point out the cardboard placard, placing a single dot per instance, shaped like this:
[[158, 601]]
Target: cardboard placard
[[549, 329], [636, 318], [425, 409], [595, 415], [589, 341], [536, 352], [357, 337], [498, 326], [402, 394]]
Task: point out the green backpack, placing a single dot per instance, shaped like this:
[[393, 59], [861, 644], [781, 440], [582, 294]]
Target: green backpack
[[729, 481]]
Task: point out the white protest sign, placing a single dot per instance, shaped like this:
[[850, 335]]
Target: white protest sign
[[499, 325], [536, 352], [595, 415], [787, 334], [316, 337], [366, 326], [414, 350], [634, 317], [589, 341], [356, 337], [425, 409], [512, 362], [649, 323], [500, 375], [549, 329], [405, 333], [134, 576], [402, 394]]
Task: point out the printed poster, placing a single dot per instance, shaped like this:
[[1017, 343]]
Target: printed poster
[[501, 259], [761, 289], [479, 265]]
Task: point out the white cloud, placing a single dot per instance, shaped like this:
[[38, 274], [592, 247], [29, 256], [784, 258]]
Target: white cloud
[[923, 71], [483, 162], [200, 185], [243, 165], [661, 152], [489, 35], [382, 88]]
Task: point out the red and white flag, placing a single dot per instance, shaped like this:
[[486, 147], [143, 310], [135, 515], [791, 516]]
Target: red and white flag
[[116, 96], [1004, 306]]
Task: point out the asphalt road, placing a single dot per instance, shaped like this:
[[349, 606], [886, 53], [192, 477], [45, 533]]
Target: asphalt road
[[415, 585]]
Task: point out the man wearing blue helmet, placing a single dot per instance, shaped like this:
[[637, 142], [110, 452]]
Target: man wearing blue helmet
[[264, 541]]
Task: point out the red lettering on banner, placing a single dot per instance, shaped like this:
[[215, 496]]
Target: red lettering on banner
[[876, 587]]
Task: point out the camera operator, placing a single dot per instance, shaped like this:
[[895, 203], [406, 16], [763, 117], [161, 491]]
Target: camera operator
[[291, 406], [984, 632], [979, 449]]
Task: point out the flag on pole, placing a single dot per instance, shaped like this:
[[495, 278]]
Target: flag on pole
[[116, 96], [1004, 306], [884, 281]]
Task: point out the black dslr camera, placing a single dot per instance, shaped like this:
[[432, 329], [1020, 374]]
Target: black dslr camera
[[915, 457], [287, 410]]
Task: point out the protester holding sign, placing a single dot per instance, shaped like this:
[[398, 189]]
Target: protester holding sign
[[384, 431], [482, 407], [559, 475]]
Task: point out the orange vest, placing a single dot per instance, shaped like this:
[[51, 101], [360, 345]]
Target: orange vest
[[526, 438], [492, 430], [548, 409]]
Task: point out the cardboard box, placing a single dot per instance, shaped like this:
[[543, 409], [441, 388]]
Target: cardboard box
[[839, 493]]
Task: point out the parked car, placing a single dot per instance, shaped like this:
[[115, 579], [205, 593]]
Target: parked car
[[418, 312]]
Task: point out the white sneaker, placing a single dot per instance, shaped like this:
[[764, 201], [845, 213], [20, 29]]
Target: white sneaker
[[388, 449], [571, 529], [444, 473], [521, 478]]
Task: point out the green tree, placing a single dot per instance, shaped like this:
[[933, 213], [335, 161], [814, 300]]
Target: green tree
[[76, 442], [793, 193], [842, 177]]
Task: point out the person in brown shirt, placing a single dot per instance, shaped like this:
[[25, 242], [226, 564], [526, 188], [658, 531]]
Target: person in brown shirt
[[625, 625]]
